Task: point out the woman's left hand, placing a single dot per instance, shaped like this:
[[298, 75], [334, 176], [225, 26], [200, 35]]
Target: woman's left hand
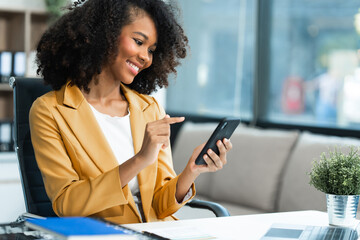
[[214, 162], [192, 171]]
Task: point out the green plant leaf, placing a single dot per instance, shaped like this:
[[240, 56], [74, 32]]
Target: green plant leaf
[[55, 8], [337, 172]]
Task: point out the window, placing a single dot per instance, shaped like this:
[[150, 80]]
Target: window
[[216, 77], [292, 62], [313, 63]]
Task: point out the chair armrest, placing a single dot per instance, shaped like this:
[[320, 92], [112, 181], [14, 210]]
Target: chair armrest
[[216, 208]]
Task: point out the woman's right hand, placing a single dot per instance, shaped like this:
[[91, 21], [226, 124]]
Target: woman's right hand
[[157, 136]]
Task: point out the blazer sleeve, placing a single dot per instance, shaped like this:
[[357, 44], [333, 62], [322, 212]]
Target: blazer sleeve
[[164, 201], [71, 195]]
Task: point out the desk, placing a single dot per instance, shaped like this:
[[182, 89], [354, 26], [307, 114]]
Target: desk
[[12, 202], [238, 227], [6, 157]]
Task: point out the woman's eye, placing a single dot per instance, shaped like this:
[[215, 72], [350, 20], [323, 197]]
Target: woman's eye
[[151, 51], [138, 42]]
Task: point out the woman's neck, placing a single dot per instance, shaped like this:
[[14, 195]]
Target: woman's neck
[[104, 87], [103, 90], [105, 96]]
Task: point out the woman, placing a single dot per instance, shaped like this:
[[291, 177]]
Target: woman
[[101, 144]]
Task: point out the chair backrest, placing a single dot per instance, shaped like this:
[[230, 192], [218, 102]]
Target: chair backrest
[[26, 90]]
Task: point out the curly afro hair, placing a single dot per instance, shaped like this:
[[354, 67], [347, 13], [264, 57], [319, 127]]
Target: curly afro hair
[[84, 40]]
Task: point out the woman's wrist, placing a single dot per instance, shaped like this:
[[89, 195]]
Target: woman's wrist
[[187, 177], [140, 161], [191, 173]]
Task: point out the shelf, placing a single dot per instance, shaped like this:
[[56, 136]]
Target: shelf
[[5, 87], [22, 23], [12, 28], [39, 24], [6, 102]]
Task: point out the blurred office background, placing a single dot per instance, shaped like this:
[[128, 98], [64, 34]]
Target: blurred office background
[[273, 63]]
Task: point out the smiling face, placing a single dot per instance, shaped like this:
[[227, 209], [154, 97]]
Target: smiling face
[[136, 45]]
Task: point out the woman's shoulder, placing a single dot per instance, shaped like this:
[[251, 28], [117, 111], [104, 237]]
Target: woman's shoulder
[[51, 98], [44, 103], [46, 98]]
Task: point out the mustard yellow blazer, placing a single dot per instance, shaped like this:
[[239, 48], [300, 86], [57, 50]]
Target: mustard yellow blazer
[[79, 169]]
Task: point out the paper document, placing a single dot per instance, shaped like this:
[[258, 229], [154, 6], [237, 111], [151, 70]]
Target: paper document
[[183, 233]]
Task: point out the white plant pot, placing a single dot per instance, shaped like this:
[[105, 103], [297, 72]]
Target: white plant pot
[[342, 209]]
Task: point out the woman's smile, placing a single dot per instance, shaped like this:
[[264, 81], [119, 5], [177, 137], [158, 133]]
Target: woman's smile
[[133, 68]]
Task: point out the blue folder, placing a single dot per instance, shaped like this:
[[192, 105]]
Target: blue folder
[[80, 228]]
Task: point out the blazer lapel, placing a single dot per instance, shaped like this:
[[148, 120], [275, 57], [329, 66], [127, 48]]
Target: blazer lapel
[[78, 115], [141, 112]]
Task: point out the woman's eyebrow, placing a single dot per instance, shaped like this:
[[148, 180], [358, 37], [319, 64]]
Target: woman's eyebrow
[[142, 34]]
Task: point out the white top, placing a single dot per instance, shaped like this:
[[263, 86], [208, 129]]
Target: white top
[[117, 132]]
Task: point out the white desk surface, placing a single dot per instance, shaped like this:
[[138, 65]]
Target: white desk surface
[[235, 227], [6, 157]]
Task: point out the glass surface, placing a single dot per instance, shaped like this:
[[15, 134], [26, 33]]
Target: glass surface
[[284, 233], [314, 74], [217, 76]]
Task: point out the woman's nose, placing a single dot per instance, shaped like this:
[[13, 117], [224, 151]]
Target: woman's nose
[[144, 56]]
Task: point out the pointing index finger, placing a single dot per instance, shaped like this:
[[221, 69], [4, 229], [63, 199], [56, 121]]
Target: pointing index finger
[[172, 120]]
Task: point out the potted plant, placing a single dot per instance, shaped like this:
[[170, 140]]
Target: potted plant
[[337, 174], [55, 8]]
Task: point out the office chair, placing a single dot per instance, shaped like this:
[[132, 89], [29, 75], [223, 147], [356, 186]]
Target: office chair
[[26, 90]]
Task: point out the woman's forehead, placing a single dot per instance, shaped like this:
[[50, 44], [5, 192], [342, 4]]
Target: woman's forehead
[[143, 24]]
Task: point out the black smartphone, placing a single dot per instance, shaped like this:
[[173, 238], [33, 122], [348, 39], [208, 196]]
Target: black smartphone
[[224, 130]]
